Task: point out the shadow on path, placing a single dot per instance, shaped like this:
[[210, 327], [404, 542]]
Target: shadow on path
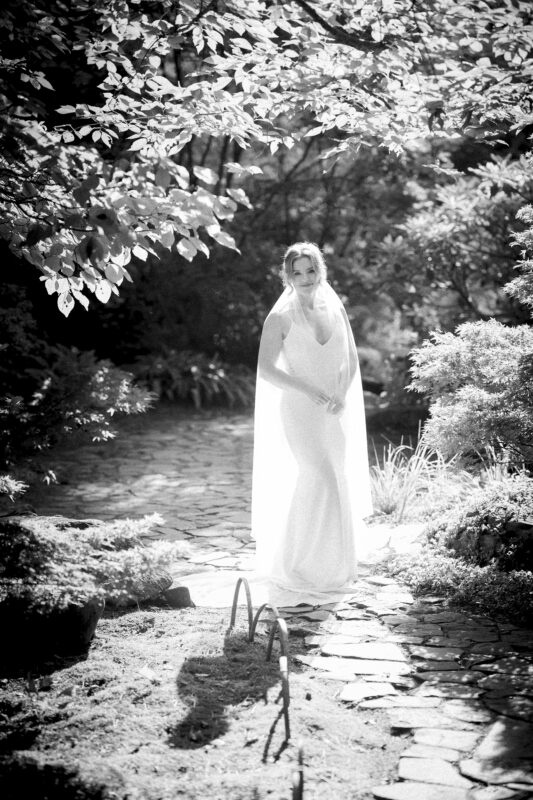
[[213, 686]]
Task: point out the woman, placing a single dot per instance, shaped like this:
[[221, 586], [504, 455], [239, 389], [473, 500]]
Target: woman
[[310, 482]]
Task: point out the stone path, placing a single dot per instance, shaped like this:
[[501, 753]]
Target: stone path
[[460, 686]]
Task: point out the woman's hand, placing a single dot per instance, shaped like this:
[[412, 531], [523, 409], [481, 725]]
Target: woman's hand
[[317, 396], [335, 405]]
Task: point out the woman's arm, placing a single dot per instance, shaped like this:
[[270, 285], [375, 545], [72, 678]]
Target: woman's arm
[[269, 351]]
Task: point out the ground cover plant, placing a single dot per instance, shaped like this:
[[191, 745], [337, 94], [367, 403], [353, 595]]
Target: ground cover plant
[[56, 576], [479, 554], [50, 562]]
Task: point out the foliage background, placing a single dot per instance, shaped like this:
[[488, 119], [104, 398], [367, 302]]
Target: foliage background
[[158, 157]]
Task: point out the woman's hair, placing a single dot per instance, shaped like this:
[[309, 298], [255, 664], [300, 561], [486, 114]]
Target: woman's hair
[[297, 251]]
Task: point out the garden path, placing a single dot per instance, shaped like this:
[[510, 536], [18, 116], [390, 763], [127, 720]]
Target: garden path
[[460, 683]]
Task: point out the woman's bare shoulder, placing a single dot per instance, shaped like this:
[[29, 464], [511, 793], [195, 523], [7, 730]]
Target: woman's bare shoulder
[[278, 321]]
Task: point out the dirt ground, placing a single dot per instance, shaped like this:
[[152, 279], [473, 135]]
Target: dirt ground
[[168, 704]]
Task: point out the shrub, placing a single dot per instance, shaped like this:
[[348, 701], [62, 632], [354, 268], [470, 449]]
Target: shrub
[[187, 376], [71, 393], [522, 286], [485, 590], [487, 529], [50, 562], [480, 382]]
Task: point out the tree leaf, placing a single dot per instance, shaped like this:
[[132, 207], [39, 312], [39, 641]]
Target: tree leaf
[[103, 290], [113, 272], [205, 174], [138, 144], [225, 239], [81, 298], [186, 249], [65, 303], [140, 252]]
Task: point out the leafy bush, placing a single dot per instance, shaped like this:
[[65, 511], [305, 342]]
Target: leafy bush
[[522, 286], [486, 529], [71, 393], [480, 382], [195, 377], [50, 562]]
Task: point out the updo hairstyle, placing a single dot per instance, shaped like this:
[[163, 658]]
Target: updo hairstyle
[[298, 250]]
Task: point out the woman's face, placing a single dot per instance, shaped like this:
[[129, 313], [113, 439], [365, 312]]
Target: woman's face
[[304, 276]]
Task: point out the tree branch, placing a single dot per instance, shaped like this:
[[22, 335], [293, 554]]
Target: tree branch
[[341, 36]]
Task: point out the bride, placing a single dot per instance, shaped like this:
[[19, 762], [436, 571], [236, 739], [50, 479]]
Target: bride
[[311, 488]]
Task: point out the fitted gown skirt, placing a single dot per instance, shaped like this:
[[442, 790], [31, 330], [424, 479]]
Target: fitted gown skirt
[[316, 549]]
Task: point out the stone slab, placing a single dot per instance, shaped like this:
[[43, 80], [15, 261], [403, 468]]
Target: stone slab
[[492, 648], [505, 685], [436, 653], [428, 666], [418, 630], [395, 619], [319, 615], [354, 666], [351, 614], [468, 711], [363, 690], [445, 616], [448, 641], [451, 676], [411, 790], [402, 701], [390, 595], [451, 690], [432, 770], [381, 580], [353, 627], [403, 638], [493, 793], [429, 751], [482, 635], [509, 666], [412, 718], [438, 737], [372, 651]]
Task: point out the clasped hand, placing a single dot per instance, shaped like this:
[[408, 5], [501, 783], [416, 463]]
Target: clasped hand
[[334, 404]]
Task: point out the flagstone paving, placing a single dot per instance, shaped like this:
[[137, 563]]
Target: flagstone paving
[[458, 686]]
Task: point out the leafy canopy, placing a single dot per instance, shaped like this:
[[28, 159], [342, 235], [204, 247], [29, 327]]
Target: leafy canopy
[[102, 97]]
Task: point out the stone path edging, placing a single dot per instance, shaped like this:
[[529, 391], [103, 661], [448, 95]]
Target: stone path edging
[[460, 684]]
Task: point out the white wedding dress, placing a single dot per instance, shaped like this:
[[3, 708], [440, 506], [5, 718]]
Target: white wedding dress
[[310, 484]]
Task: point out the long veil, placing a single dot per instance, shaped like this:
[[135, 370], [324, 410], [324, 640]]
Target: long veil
[[274, 466]]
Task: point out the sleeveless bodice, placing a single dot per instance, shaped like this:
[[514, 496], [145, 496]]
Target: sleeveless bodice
[[306, 358]]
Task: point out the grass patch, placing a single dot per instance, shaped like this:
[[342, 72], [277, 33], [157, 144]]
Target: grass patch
[[167, 705]]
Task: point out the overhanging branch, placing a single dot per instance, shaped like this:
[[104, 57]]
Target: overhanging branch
[[341, 36]]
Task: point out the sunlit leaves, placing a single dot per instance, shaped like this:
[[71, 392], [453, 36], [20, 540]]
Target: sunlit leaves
[[117, 170]]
